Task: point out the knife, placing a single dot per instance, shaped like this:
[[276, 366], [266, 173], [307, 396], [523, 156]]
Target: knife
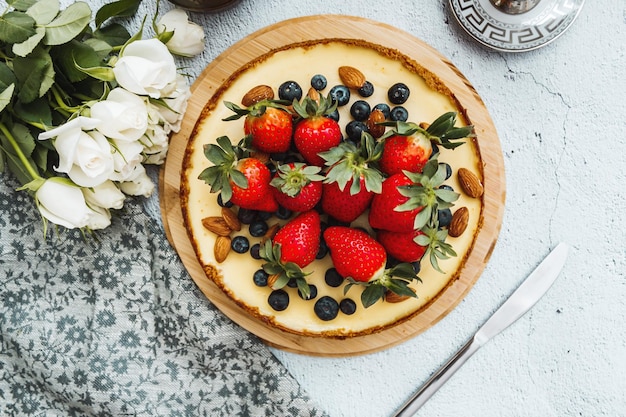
[[524, 297]]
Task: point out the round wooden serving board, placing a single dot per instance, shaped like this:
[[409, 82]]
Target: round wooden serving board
[[322, 27]]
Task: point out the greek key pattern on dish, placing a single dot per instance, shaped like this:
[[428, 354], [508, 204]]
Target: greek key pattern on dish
[[112, 325], [487, 29]]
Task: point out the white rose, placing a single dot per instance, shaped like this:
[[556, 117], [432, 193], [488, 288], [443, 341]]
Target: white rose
[[126, 158], [124, 115], [157, 145], [146, 67], [188, 38], [138, 184], [86, 157], [99, 218], [105, 195], [62, 203], [174, 106]]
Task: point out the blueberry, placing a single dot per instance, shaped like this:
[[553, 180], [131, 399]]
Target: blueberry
[[417, 266], [444, 216], [246, 216], [322, 251], [448, 169], [446, 187], [341, 94], [360, 110], [312, 292], [260, 278], [255, 251], [399, 114], [290, 90], [435, 148], [278, 300], [283, 213], [292, 283], [318, 82], [221, 203], [332, 278], [258, 228], [272, 166], [334, 115], [240, 244], [347, 306], [354, 129], [263, 216], [326, 308], [384, 108], [398, 93], [366, 90]]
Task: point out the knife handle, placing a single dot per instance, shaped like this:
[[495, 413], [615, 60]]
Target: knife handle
[[438, 378]]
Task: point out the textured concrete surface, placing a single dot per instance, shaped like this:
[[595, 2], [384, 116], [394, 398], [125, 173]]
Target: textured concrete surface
[[559, 112]]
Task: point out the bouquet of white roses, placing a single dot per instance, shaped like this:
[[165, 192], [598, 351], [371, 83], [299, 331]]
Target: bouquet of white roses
[[83, 108]]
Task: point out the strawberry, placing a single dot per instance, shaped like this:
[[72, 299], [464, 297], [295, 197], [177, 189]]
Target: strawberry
[[315, 132], [243, 180], [294, 247], [383, 214], [268, 124], [297, 186], [351, 181], [360, 259], [408, 147], [402, 246]]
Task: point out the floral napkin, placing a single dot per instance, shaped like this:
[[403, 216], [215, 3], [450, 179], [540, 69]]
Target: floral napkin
[[111, 324]]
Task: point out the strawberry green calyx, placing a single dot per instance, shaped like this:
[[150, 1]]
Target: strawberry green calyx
[[224, 157], [396, 280], [256, 110], [285, 271], [308, 107], [436, 246], [292, 178], [426, 192], [348, 161], [441, 131]]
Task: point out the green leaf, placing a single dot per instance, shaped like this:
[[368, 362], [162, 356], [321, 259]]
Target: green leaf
[[68, 24], [114, 34], [26, 143], [16, 27], [121, 8], [239, 179], [100, 47], [21, 5], [75, 59], [31, 72], [37, 111], [26, 47], [44, 11], [7, 77], [5, 96]]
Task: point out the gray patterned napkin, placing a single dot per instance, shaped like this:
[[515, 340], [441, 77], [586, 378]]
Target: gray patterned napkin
[[112, 325]]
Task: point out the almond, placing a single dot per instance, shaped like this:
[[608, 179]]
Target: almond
[[392, 297], [470, 183], [271, 232], [271, 280], [256, 94], [424, 125], [217, 225], [221, 248], [351, 77], [231, 219], [313, 94], [459, 221], [375, 129]]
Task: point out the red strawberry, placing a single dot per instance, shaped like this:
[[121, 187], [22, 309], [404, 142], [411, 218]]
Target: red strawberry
[[408, 147], [243, 180], [402, 246], [359, 258], [351, 182], [355, 254], [294, 247], [300, 239], [383, 211], [315, 133], [297, 187], [268, 124]]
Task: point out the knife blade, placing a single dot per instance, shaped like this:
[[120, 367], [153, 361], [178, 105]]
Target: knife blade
[[522, 300]]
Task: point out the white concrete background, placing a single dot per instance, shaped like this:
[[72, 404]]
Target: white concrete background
[[559, 112]]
